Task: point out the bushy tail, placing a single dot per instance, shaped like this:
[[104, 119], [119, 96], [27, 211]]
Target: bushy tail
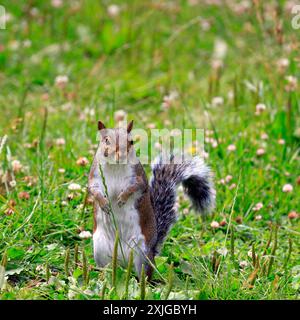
[[197, 183]]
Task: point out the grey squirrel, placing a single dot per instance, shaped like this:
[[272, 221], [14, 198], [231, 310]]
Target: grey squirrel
[[142, 213]]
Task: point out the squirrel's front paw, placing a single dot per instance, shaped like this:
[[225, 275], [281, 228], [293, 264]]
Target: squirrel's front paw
[[106, 209], [121, 199], [105, 206]]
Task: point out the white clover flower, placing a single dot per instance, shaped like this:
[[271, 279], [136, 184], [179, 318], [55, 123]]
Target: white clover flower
[[169, 99], [151, 126], [264, 136], [287, 188], [217, 101], [89, 111], [260, 151], [60, 142], [293, 215], [221, 181], [243, 264], [82, 161], [80, 206], [217, 64], [223, 251], [205, 25], [282, 64], [74, 187], [14, 45], [192, 2], [258, 206], [291, 83], [13, 183], [232, 186], [113, 10], [220, 49], [260, 108], [85, 235], [205, 155], [61, 81], [228, 178], [231, 147], [16, 166], [120, 115], [34, 11], [214, 143], [56, 3], [51, 246], [4, 18], [40, 267], [27, 43], [230, 95], [215, 224], [185, 211]]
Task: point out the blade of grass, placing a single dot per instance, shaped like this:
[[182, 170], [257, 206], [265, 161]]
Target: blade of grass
[[130, 262], [114, 261], [143, 283]]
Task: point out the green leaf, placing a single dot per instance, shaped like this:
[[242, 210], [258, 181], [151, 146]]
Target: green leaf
[[77, 273], [15, 253], [161, 264], [13, 271], [186, 267]]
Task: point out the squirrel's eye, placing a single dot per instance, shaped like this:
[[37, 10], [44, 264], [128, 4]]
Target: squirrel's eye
[[107, 141], [131, 142]]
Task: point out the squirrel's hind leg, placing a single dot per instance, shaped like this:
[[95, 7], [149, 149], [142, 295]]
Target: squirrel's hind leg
[[148, 262], [149, 266]]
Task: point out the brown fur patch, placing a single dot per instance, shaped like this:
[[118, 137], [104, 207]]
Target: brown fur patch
[[145, 209], [95, 217]]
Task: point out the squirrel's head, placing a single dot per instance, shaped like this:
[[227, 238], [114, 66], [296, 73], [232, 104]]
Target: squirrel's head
[[116, 144]]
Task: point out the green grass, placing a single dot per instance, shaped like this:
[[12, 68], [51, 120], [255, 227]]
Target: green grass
[[131, 62]]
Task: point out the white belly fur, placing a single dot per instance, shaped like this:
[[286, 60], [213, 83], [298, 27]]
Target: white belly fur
[[127, 222]]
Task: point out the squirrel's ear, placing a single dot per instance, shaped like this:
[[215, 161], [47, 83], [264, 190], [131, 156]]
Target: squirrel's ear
[[129, 127], [101, 125]]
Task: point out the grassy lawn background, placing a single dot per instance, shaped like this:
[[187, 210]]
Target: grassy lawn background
[[227, 67]]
